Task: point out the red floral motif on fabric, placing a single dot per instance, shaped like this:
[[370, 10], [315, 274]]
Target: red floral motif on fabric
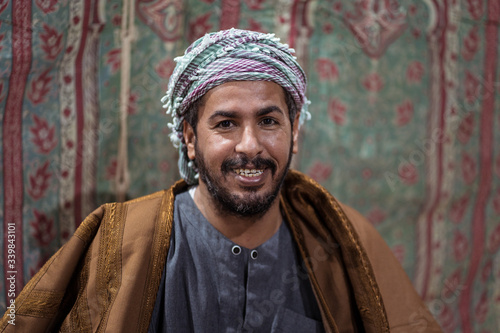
[[39, 88], [466, 128], [2, 36], [51, 42], [164, 17], [199, 27], [494, 240], [376, 26], [458, 209], [376, 216], [481, 309], [337, 111], [414, 72], [404, 113], [39, 181], [113, 59], [67, 112], [373, 82], [486, 271], [320, 171], [67, 79], [132, 103], [469, 168], [42, 228], [337, 7], [327, 28], [327, 69], [471, 44], [447, 319], [452, 286], [408, 173], [412, 10], [111, 169], [254, 4], [415, 33], [367, 173], [471, 87], [230, 14], [475, 8], [3, 5], [399, 252], [460, 246], [65, 235], [2, 95], [496, 202], [165, 68], [43, 135], [117, 20], [255, 26], [47, 6]]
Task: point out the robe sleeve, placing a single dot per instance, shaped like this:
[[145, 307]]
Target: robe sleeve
[[42, 300], [106, 276]]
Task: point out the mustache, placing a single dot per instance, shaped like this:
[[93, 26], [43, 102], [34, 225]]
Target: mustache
[[241, 161]]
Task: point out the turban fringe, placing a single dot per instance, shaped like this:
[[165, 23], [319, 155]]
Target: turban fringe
[[229, 55]]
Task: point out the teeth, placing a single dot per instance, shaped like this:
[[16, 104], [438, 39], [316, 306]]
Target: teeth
[[248, 172]]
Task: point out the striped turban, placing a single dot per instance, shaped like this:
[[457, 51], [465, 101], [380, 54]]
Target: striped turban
[[228, 55]]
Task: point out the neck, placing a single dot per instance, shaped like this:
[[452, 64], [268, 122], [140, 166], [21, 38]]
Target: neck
[[248, 232]]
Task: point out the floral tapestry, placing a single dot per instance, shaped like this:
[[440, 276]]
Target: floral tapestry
[[405, 124]]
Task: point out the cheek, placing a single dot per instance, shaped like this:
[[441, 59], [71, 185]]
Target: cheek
[[217, 147], [279, 145]]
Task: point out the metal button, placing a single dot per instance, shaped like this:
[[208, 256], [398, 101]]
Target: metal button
[[236, 250], [254, 254]]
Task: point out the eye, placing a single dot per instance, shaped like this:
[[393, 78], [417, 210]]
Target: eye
[[269, 121], [224, 124]]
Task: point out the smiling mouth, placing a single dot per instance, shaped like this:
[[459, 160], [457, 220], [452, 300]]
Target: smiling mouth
[[249, 172]]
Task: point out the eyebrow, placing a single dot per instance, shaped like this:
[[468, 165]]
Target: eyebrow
[[225, 114], [269, 109], [233, 114]]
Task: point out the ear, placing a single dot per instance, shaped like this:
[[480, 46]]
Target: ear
[[295, 134], [189, 139]]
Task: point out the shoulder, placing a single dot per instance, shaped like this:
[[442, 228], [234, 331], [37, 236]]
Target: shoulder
[[404, 308], [145, 208], [117, 214], [305, 190], [145, 212], [365, 230], [142, 208], [311, 196]]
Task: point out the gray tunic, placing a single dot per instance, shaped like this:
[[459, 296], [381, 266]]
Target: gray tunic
[[211, 284]]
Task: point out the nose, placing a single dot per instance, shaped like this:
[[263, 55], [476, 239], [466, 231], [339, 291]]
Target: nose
[[249, 143]]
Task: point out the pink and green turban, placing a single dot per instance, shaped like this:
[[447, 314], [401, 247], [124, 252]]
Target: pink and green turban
[[228, 55]]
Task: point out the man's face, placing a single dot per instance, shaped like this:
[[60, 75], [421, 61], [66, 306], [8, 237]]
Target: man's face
[[243, 145]]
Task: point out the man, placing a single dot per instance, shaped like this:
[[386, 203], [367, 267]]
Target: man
[[241, 244]]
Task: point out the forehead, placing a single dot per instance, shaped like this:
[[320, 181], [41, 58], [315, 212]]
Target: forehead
[[244, 95]]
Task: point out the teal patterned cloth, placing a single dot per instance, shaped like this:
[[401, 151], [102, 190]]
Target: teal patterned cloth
[[405, 127]]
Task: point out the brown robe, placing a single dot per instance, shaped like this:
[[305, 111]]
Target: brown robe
[[107, 276]]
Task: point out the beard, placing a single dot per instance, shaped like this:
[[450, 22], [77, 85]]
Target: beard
[[251, 204]]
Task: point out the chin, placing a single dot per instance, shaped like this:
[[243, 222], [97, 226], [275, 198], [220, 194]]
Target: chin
[[251, 205]]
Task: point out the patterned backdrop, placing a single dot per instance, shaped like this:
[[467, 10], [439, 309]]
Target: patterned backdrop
[[406, 117]]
